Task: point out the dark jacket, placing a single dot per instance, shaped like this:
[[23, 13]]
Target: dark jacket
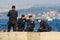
[[30, 25], [21, 24], [12, 14], [43, 24], [44, 27]]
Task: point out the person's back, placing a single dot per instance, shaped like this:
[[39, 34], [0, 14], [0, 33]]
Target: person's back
[[43, 24], [12, 14], [44, 27]]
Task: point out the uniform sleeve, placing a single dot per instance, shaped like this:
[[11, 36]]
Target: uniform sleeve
[[27, 22], [16, 14], [18, 21], [46, 24], [34, 24], [8, 14]]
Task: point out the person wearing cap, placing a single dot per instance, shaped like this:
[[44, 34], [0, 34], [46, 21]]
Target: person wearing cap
[[12, 14], [21, 23], [44, 27], [30, 24]]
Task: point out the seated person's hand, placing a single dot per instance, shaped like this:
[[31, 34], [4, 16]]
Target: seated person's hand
[[16, 28]]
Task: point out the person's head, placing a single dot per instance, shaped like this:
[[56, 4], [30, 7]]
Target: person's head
[[38, 20], [30, 18], [13, 7], [23, 16]]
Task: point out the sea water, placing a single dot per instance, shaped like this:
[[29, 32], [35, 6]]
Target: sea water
[[55, 24]]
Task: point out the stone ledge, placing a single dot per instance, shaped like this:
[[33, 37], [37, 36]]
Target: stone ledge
[[29, 35]]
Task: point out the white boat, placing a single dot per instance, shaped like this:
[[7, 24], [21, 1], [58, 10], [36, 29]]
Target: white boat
[[50, 19]]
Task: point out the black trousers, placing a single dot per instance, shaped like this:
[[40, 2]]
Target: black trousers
[[29, 29], [47, 29], [21, 28], [11, 25]]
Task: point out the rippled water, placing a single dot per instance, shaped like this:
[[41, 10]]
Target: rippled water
[[55, 24]]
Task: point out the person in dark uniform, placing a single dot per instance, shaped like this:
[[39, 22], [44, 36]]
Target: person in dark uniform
[[21, 23], [30, 24], [44, 27], [12, 14]]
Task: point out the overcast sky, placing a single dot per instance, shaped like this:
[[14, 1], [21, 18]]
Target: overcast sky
[[27, 3]]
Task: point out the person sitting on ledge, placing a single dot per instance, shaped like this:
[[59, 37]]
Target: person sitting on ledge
[[44, 27], [30, 24], [21, 23]]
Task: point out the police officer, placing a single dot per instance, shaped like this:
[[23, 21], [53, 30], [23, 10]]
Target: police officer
[[12, 14], [30, 24], [44, 27], [21, 23]]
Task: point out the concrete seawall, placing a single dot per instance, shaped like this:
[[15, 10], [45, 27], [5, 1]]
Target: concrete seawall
[[29, 35]]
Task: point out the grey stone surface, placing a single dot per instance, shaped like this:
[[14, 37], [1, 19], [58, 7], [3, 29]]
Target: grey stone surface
[[29, 35], [33, 36]]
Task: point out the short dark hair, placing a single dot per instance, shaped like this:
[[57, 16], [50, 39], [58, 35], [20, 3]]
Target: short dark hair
[[22, 15], [38, 19], [13, 6], [30, 16]]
